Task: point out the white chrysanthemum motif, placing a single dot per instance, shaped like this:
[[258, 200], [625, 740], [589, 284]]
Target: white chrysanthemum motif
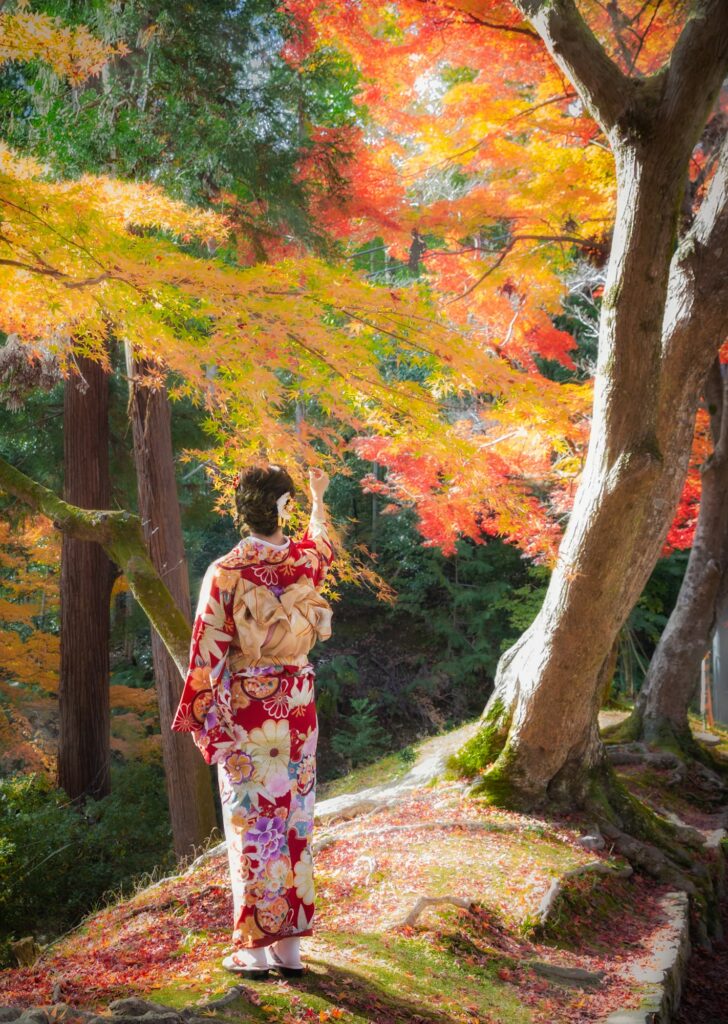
[[303, 877], [270, 746]]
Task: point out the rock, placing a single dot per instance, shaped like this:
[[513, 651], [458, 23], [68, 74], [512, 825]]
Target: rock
[[708, 738], [63, 1012], [133, 1006], [33, 1015], [8, 1013], [567, 975], [592, 842], [162, 1016]]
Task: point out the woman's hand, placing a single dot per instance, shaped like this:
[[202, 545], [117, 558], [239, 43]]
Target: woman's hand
[[318, 481]]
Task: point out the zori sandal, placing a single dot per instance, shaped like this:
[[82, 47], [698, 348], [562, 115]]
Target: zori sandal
[[285, 969], [246, 970]]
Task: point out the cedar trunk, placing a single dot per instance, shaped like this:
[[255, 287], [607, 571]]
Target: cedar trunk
[[189, 789], [86, 579], [662, 317], [661, 711]]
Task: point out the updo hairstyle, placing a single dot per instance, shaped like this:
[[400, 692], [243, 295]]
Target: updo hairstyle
[[256, 493]]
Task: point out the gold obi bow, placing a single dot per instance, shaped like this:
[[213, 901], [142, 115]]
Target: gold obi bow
[[287, 626]]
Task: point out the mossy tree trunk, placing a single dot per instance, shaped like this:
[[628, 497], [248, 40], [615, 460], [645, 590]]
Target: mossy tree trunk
[[189, 790], [84, 741], [120, 535], [665, 308], [660, 715]]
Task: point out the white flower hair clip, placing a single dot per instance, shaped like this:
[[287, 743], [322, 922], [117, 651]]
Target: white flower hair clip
[[284, 507]]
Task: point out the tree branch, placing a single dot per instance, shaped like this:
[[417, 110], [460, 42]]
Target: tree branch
[[697, 66], [606, 91], [120, 535]]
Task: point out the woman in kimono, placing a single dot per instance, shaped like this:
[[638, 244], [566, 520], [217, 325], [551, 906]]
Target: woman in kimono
[[248, 701]]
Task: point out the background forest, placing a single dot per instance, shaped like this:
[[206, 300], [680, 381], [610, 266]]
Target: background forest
[[236, 111]]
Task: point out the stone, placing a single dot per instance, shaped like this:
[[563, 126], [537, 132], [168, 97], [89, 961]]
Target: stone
[[33, 1015], [567, 975], [133, 1006], [8, 1013], [592, 842], [708, 738], [661, 975], [60, 1011]]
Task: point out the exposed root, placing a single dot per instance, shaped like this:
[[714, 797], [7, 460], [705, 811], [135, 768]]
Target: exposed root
[[371, 865], [429, 901], [598, 867], [639, 732]]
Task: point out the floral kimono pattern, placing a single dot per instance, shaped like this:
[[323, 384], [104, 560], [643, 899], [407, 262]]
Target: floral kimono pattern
[[249, 702]]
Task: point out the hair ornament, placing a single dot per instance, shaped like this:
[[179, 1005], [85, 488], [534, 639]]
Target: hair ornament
[[283, 506]]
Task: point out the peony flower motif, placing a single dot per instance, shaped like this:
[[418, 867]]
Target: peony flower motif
[[270, 746], [268, 835], [303, 877]]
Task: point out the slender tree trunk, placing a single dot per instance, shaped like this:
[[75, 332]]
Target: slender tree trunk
[[189, 789], [661, 711], [539, 738], [86, 579]]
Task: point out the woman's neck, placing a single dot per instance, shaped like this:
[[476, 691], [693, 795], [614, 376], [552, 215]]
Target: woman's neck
[[276, 538]]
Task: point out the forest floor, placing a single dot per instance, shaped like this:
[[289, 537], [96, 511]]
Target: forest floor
[[477, 957]]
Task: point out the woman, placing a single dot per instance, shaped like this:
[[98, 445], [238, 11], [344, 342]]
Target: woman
[[248, 700]]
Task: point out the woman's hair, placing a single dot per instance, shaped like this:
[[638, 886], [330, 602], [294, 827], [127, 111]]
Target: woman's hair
[[256, 492]]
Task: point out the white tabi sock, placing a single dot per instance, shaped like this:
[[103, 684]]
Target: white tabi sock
[[289, 950]]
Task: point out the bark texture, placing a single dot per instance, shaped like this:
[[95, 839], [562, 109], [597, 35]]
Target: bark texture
[[87, 575], [189, 789], [661, 710], [539, 739]]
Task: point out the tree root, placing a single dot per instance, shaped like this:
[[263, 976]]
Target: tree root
[[422, 826], [598, 867], [428, 901]]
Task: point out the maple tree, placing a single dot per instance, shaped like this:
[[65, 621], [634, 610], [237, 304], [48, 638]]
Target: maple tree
[[635, 95], [78, 266]]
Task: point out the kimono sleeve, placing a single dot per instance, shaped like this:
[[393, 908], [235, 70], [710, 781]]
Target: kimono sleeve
[[318, 548], [212, 632]]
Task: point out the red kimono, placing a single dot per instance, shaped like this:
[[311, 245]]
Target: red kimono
[[248, 701]]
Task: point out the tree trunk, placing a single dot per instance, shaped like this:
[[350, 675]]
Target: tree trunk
[[87, 575], [661, 710], [189, 789], [539, 738], [120, 535]]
